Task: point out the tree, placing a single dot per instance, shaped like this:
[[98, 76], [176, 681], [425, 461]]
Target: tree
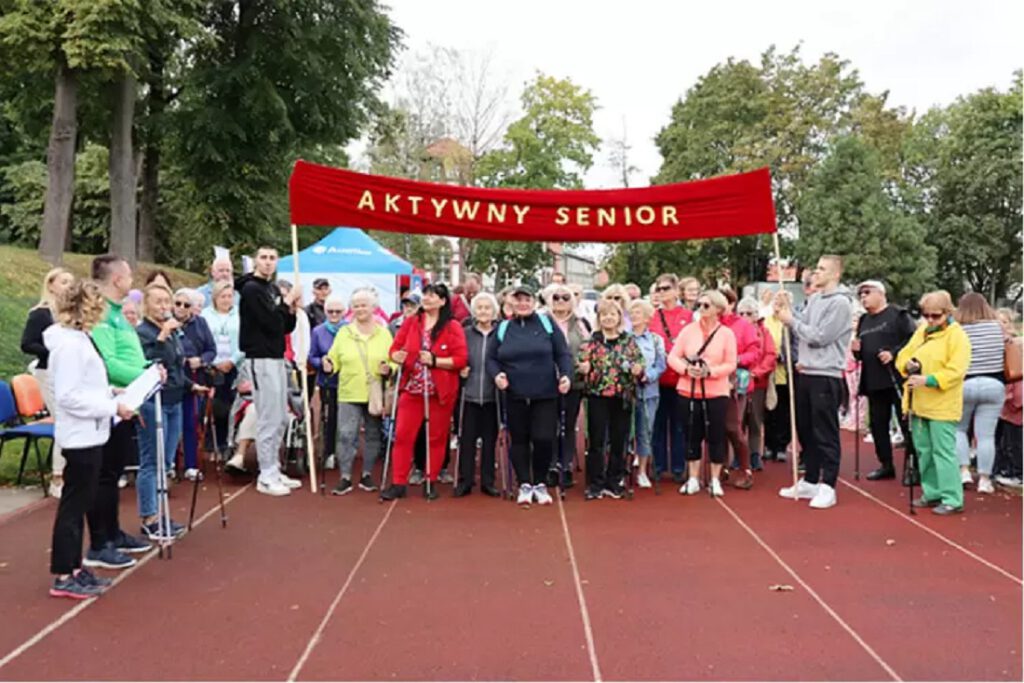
[[845, 210]]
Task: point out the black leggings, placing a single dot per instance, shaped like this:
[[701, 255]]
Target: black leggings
[[478, 421], [531, 422], [81, 479], [713, 432], [607, 416], [121, 447]]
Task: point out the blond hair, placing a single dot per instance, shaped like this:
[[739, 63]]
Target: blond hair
[[605, 305], [80, 306], [716, 299], [46, 297], [616, 289], [644, 306], [940, 298]]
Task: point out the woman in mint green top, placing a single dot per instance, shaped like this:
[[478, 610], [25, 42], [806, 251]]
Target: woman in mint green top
[[222, 317]]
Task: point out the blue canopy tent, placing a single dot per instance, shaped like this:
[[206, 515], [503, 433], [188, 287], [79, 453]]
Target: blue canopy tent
[[349, 259]]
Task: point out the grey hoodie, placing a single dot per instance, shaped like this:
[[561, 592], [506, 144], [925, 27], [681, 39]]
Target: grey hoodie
[[823, 330]]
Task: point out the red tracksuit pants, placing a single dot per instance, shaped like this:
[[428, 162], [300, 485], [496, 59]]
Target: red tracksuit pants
[[408, 421]]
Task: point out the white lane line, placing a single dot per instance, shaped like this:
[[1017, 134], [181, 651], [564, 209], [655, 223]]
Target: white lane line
[[315, 640], [934, 533], [588, 632], [80, 607], [824, 605]]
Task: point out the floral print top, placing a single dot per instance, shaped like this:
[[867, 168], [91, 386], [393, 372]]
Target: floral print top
[[610, 363]]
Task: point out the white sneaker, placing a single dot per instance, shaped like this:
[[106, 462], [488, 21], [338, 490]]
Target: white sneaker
[[288, 481], [236, 462], [56, 488], [525, 495], [965, 477], [716, 488], [330, 462], [869, 438], [825, 498], [985, 485], [1009, 482], [691, 487], [804, 491], [192, 474], [122, 482], [642, 481], [272, 487], [541, 495], [896, 438], [636, 461]]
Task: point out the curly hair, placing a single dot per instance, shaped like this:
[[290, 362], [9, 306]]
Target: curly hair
[[81, 306]]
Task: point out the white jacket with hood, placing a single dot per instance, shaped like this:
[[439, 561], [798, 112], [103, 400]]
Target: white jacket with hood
[[81, 391]]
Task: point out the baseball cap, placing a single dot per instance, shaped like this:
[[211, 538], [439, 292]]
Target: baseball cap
[[411, 298], [320, 282], [524, 289], [871, 284]]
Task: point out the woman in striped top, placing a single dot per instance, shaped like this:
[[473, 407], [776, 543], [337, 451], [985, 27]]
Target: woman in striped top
[[983, 387]]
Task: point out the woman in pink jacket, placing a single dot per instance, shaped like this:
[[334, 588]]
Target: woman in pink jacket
[[704, 355]]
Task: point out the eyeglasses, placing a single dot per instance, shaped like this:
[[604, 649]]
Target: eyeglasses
[[615, 298], [664, 288], [704, 305], [183, 304], [933, 316], [747, 314], [561, 297], [333, 310]]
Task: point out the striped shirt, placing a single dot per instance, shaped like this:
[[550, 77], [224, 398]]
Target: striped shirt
[[986, 347]]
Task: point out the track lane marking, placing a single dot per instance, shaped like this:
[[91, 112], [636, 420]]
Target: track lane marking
[[824, 605], [588, 631], [318, 634], [948, 541], [82, 606]]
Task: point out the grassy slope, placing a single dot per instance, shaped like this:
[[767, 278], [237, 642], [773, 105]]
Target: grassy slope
[[21, 275]]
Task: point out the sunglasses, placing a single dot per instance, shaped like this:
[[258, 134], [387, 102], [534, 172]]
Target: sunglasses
[[562, 297], [183, 304], [747, 314], [615, 298], [333, 310], [704, 305], [664, 288], [933, 316]]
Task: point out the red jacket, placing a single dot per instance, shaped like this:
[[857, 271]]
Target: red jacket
[[764, 368], [460, 311], [450, 343], [677, 318], [748, 346]]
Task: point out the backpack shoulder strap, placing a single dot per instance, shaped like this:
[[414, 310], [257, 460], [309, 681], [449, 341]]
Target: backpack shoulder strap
[[502, 327], [546, 323]]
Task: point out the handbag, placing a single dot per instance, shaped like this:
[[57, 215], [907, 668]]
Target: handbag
[[742, 381], [771, 395], [1013, 359], [375, 390]]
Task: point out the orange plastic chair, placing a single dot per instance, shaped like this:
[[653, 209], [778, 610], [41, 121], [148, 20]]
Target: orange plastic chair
[[28, 397]]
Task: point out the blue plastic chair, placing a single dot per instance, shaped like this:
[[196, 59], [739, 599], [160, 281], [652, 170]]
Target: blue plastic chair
[[11, 429]]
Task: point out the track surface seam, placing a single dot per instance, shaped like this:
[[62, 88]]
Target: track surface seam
[[82, 606], [933, 532], [318, 634], [588, 631], [824, 605]]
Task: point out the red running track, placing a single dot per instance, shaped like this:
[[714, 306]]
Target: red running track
[[673, 588]]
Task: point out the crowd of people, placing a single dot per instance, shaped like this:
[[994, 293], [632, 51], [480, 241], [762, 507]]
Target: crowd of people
[[650, 387]]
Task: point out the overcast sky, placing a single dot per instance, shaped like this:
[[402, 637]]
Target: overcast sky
[[639, 56]]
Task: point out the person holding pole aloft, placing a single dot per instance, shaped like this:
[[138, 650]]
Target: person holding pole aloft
[[531, 363], [704, 358], [431, 348], [652, 346], [822, 331], [267, 318], [479, 418]]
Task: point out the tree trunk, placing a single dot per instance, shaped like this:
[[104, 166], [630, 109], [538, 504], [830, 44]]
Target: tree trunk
[[60, 166], [122, 171], [156, 104]]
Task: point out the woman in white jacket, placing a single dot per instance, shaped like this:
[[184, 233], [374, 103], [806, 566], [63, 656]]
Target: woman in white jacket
[[85, 406]]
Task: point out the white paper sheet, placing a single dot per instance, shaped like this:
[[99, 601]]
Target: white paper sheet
[[139, 391]]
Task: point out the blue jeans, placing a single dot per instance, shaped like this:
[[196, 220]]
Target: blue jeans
[[646, 409], [145, 481], [983, 401], [668, 432]]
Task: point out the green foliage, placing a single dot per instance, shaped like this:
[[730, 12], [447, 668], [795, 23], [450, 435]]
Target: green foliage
[[844, 210]]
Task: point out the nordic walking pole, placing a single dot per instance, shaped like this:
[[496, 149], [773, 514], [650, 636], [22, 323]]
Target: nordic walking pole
[[391, 436], [856, 432], [301, 353], [201, 438], [706, 456], [689, 427], [163, 504], [426, 426], [561, 445], [458, 439], [502, 448], [325, 412], [217, 468], [910, 462], [794, 438]]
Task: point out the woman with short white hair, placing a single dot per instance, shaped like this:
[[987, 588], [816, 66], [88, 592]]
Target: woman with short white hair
[[321, 338], [479, 417], [359, 358], [652, 346]]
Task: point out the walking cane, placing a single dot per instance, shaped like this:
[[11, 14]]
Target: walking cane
[[163, 504], [910, 462], [458, 439], [391, 436]]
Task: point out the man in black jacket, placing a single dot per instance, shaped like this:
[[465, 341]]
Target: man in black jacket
[[881, 332], [266, 318]]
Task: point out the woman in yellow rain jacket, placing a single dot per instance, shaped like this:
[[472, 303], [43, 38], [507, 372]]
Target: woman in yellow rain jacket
[[935, 361]]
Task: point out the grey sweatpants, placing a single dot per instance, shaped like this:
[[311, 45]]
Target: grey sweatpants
[[270, 395], [350, 416]]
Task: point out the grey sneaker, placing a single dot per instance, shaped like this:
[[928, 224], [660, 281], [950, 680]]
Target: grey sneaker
[[74, 589], [108, 558], [416, 478], [445, 478]]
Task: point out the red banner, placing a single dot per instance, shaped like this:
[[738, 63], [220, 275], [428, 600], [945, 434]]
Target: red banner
[[725, 206]]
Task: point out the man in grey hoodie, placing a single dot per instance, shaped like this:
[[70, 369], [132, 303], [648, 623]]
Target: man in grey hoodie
[[822, 331]]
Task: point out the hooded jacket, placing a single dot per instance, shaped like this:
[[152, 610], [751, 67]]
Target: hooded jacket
[[83, 401], [171, 355], [823, 332], [265, 318]]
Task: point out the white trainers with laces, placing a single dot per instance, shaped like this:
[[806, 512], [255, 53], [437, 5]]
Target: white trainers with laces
[[803, 491], [716, 488], [965, 477], [691, 487], [191, 473], [236, 462], [288, 481], [985, 485], [541, 495], [525, 495], [643, 481], [272, 487], [825, 498]]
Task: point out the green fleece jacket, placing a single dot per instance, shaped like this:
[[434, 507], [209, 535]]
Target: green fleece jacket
[[119, 346]]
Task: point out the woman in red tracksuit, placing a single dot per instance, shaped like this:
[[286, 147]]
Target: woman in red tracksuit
[[431, 348]]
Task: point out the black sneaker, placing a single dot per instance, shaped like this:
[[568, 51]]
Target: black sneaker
[[87, 578], [490, 491], [366, 483], [677, 477], [552, 479], [911, 478], [567, 480], [592, 494], [108, 558], [394, 491], [430, 490], [883, 472], [126, 543], [463, 490], [344, 486], [74, 589], [615, 492]]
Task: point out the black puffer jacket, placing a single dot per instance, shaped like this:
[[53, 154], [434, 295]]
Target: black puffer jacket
[[531, 357]]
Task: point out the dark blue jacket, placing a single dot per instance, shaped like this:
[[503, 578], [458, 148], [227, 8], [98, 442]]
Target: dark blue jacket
[[198, 340], [532, 358], [168, 353]]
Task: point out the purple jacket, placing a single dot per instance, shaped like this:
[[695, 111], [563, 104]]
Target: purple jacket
[[320, 342]]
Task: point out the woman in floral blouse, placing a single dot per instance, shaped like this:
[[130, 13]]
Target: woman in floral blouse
[[611, 364]]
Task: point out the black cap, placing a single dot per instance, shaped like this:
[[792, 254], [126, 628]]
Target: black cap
[[320, 282], [524, 289]]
